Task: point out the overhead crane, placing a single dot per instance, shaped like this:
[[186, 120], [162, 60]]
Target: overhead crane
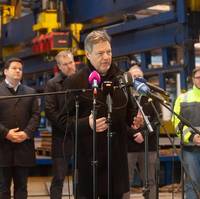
[[134, 27]]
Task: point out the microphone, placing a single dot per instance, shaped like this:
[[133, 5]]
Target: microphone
[[94, 79], [153, 87], [125, 80], [140, 87], [107, 87]]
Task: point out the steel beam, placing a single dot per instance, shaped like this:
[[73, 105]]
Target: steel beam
[[18, 31], [91, 9], [144, 23], [146, 40]]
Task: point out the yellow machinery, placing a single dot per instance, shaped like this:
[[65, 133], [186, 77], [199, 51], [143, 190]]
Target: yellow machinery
[[8, 12], [194, 5]]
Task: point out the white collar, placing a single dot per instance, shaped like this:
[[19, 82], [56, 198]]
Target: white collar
[[10, 85]]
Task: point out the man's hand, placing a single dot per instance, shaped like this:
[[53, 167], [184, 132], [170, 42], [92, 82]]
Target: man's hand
[[138, 137], [101, 124], [16, 136], [196, 139], [21, 136], [11, 135], [138, 121]]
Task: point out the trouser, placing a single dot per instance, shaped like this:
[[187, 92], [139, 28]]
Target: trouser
[[191, 159], [60, 170], [19, 175], [138, 157]]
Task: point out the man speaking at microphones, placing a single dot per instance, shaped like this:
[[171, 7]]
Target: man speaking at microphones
[[99, 54]]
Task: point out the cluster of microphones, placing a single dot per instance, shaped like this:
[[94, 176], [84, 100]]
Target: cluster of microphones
[[127, 81]]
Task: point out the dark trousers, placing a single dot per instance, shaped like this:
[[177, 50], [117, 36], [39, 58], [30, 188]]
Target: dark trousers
[[19, 175], [60, 169]]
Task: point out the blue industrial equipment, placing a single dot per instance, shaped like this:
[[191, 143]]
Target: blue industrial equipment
[[130, 35]]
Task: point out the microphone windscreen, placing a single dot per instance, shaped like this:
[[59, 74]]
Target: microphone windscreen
[[94, 75], [127, 79], [141, 79], [141, 87]]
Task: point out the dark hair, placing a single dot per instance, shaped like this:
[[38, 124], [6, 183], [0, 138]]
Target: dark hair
[[13, 59]]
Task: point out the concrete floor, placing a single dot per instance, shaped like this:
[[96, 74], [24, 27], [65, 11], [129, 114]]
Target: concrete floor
[[38, 188], [161, 196]]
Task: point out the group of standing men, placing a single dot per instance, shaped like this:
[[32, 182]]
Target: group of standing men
[[19, 118]]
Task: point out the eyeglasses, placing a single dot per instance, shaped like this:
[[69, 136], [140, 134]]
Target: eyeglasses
[[66, 64]]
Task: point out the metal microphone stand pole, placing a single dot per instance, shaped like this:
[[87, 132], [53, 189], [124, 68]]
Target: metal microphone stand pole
[[182, 169], [158, 163], [94, 160], [157, 124], [76, 149], [183, 122], [146, 144], [109, 143], [157, 179], [107, 88]]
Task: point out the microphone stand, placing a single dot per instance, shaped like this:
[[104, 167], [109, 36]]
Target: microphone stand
[[109, 142], [107, 88], [94, 159], [76, 149], [183, 122], [182, 169], [46, 93], [146, 143], [157, 124]]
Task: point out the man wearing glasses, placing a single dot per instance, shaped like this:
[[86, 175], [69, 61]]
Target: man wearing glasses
[[188, 106]]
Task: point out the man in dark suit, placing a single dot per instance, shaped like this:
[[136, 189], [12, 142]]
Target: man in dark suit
[[19, 118], [99, 54], [61, 138]]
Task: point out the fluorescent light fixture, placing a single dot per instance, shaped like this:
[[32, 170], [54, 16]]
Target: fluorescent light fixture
[[197, 45], [160, 8]]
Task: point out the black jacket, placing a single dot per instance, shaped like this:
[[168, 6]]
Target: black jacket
[[121, 109], [23, 113], [152, 139], [54, 106]]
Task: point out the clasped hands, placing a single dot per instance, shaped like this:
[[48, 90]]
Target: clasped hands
[[16, 136]]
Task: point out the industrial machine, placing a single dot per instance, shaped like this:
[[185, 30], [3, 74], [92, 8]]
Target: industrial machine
[[161, 34]]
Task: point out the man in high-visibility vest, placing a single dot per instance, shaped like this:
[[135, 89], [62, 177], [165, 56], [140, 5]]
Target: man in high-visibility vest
[[188, 106]]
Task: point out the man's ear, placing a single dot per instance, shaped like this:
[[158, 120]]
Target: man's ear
[[87, 54], [5, 71]]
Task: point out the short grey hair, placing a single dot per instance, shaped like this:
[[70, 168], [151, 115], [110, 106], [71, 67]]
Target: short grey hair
[[95, 37], [135, 67], [64, 53]]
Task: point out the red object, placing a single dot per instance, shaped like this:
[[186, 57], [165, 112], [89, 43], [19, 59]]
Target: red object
[[41, 43], [59, 40], [51, 41]]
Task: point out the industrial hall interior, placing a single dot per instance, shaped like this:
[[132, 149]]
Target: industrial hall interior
[[99, 99]]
